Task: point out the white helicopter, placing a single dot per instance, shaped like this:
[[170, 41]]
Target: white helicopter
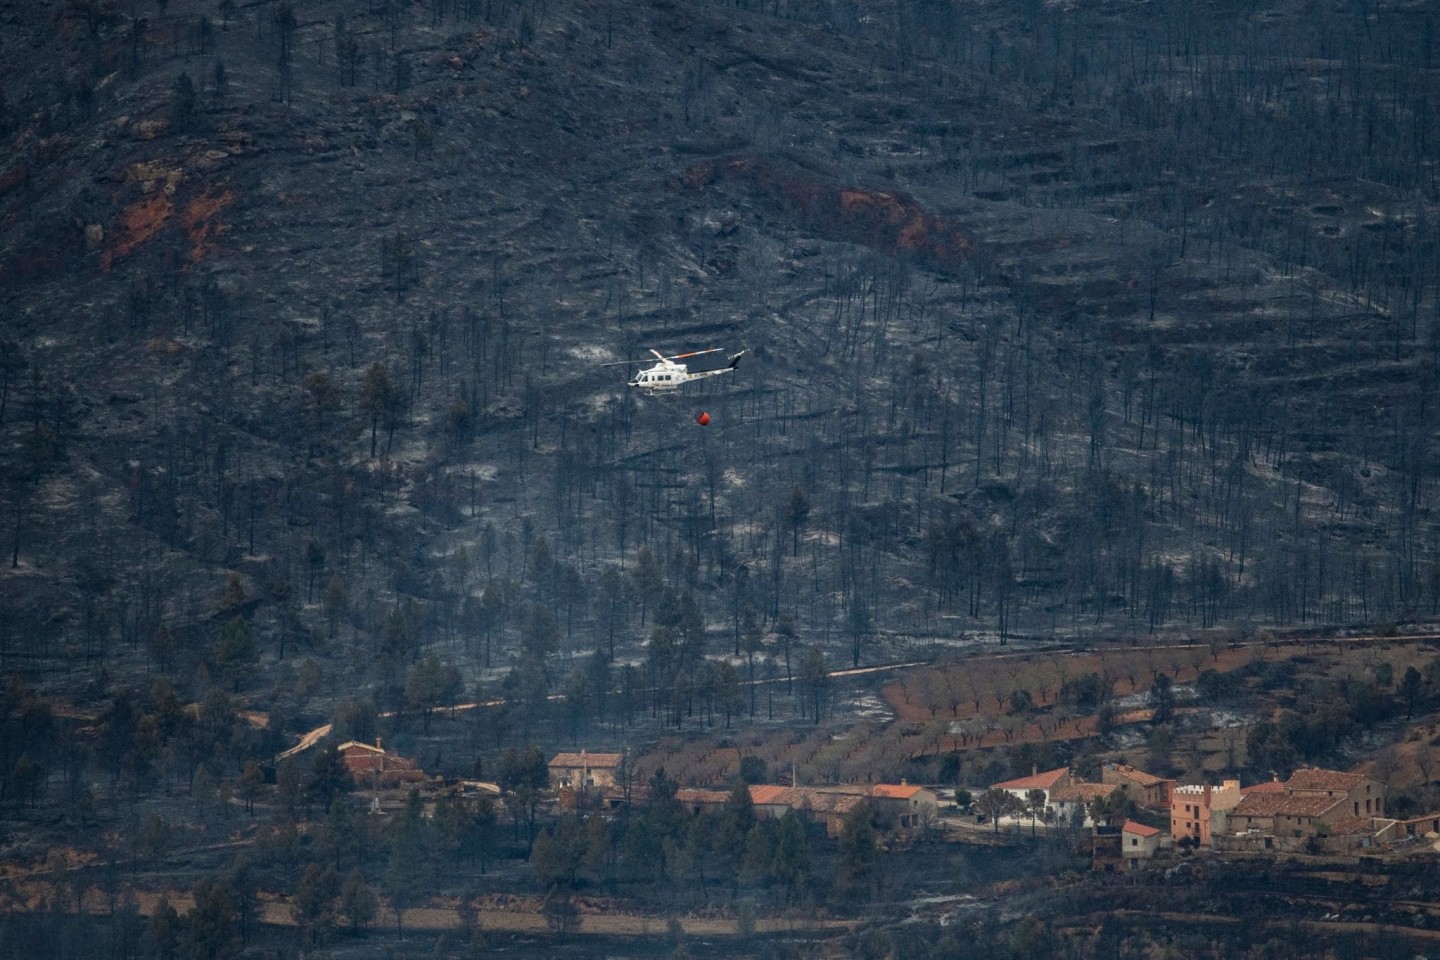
[[671, 373]]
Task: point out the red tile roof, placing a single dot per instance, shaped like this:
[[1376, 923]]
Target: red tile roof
[[796, 798], [837, 803], [895, 791], [764, 793], [1280, 805], [363, 758], [1081, 791], [1259, 805], [693, 795], [1038, 781], [1269, 786], [1136, 776], [593, 761], [1309, 806], [1139, 829], [1316, 779], [837, 800]]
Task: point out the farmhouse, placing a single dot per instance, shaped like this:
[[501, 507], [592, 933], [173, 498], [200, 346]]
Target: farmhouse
[[1309, 803], [701, 801], [369, 764], [574, 770], [1146, 789], [897, 805], [1363, 796], [903, 804], [1044, 782], [1070, 803], [1283, 815], [1139, 842], [830, 810], [775, 801]]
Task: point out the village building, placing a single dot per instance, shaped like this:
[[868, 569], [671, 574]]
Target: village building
[[697, 800], [1070, 804], [1283, 815], [1313, 804], [1273, 785], [369, 765], [774, 801], [1363, 796], [829, 810], [1070, 800], [1044, 782], [1146, 789], [1107, 849], [1198, 812], [1139, 842], [903, 805], [900, 805], [575, 770]]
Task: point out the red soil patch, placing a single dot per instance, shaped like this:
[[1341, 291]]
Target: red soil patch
[[201, 222], [147, 217], [888, 221], [139, 222]]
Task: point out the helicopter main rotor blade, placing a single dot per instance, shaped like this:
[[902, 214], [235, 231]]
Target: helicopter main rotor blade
[[694, 353]]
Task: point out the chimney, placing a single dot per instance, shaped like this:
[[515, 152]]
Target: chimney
[[1034, 769], [377, 745], [904, 782]]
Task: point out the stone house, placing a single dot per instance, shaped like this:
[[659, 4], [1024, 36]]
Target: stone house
[[575, 770], [830, 810], [902, 804], [1309, 799], [1146, 789], [369, 765], [1283, 815], [1363, 796], [701, 801], [1139, 842], [774, 801]]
